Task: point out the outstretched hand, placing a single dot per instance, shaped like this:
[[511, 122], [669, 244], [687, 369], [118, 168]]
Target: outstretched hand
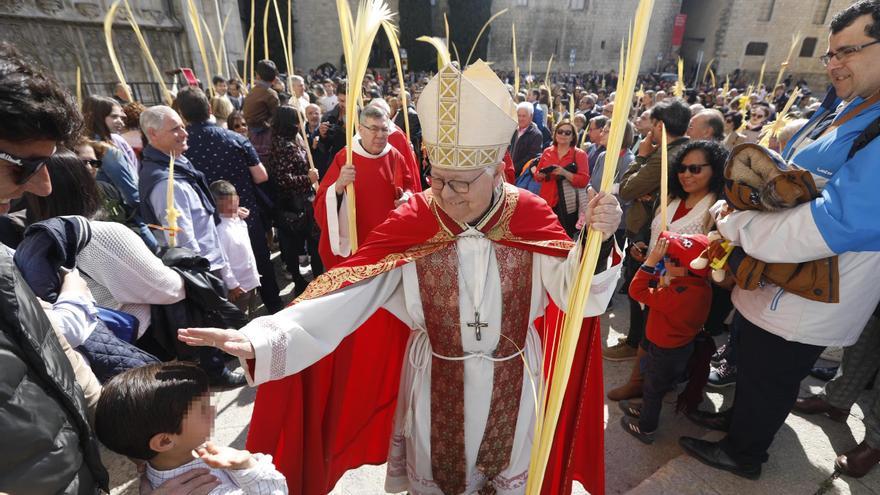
[[222, 457], [229, 341]]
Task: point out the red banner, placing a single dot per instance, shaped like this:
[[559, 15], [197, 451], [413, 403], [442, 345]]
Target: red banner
[[678, 30]]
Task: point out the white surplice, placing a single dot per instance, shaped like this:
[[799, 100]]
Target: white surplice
[[300, 335]]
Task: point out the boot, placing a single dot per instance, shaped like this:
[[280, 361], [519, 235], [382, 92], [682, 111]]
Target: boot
[[633, 388]]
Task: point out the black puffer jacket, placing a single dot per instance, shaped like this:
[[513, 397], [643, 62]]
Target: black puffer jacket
[[47, 445]]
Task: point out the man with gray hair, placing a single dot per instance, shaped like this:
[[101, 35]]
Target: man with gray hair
[[526, 142], [383, 183], [706, 125], [198, 216]]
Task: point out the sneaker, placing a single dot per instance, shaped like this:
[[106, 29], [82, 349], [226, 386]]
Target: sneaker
[[721, 354], [630, 409], [631, 426], [723, 375], [620, 352]]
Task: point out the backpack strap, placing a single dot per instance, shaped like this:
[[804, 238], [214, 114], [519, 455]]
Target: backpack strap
[[868, 135]]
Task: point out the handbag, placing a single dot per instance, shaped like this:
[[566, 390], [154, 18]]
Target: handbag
[[296, 212]]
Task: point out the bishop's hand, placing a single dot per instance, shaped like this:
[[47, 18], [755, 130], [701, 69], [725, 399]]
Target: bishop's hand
[[603, 213], [229, 341]]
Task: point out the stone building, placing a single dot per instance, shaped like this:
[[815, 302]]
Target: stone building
[[66, 34], [746, 33]]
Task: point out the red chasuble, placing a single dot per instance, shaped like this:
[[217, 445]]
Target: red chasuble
[[377, 185], [338, 414], [397, 139]]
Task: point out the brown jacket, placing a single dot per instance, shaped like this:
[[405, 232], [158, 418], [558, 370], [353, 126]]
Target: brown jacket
[[641, 179], [260, 105]]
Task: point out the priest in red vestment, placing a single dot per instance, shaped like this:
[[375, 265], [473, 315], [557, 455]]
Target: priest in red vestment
[[382, 181], [398, 140], [474, 271]]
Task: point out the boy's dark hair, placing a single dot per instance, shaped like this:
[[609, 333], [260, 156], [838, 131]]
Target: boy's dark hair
[[217, 80], [847, 16], [716, 156], [74, 190], [675, 114], [142, 402], [285, 124], [222, 189], [266, 70], [33, 105], [193, 105]]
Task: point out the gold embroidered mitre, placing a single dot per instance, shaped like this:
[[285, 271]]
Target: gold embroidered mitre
[[467, 117]]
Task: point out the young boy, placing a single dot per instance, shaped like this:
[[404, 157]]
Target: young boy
[[162, 414], [237, 245], [679, 305]]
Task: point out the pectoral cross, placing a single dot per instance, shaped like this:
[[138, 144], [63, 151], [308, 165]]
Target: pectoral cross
[[478, 325]]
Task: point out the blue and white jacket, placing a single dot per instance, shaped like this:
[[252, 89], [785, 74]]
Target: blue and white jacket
[[844, 220]]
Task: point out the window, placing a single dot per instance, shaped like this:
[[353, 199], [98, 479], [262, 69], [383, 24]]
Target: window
[[821, 11], [757, 48], [808, 48], [577, 4], [602, 45], [765, 12]]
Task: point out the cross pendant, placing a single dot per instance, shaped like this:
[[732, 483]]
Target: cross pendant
[[478, 326]]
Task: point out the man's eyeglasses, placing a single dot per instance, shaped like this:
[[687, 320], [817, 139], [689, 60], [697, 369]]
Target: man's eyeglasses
[[844, 52], [457, 186], [27, 167], [693, 169], [376, 129]]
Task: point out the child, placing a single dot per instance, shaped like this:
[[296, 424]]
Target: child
[[237, 245], [679, 306], [162, 413]]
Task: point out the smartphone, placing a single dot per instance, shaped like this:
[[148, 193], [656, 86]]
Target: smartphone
[[548, 169]]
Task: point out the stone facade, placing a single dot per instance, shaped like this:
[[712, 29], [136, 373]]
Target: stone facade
[[66, 34], [591, 30], [723, 29]]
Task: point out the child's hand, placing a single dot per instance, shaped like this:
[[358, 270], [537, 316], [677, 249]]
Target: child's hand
[[657, 253], [220, 457], [243, 212]]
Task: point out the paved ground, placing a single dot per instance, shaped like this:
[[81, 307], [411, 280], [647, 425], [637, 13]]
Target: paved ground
[[801, 460]]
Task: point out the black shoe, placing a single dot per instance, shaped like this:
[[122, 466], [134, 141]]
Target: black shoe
[[713, 421], [711, 454], [631, 426], [228, 379], [721, 354], [630, 409], [824, 373]]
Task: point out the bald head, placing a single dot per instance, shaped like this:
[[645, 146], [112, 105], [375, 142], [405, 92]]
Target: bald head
[[706, 125]]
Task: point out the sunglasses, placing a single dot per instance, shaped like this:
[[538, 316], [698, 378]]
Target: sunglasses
[[93, 163], [693, 169], [27, 167], [564, 133]]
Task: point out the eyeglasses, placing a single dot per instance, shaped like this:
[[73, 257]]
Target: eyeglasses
[[693, 169], [92, 163], [563, 133], [457, 186], [844, 52], [376, 129], [27, 167]]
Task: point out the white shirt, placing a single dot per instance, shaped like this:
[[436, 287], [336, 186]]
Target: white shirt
[[262, 479], [237, 246]]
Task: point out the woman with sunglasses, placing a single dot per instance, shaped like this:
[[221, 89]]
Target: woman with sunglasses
[[104, 120], [696, 178], [732, 137], [563, 172], [758, 117]]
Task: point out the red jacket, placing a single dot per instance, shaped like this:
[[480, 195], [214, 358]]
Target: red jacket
[[678, 311], [549, 187]]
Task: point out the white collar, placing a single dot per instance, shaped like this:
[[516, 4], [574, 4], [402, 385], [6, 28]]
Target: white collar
[[358, 149]]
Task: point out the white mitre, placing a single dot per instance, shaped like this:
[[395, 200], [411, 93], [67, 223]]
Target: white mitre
[[467, 118]]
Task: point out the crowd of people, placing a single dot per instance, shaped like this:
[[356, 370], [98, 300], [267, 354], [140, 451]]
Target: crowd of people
[[124, 227]]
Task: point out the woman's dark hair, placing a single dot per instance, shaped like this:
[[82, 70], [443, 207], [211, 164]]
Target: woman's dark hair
[[286, 122], [96, 110], [735, 117], [574, 134], [33, 105], [716, 157], [74, 190], [140, 403]]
